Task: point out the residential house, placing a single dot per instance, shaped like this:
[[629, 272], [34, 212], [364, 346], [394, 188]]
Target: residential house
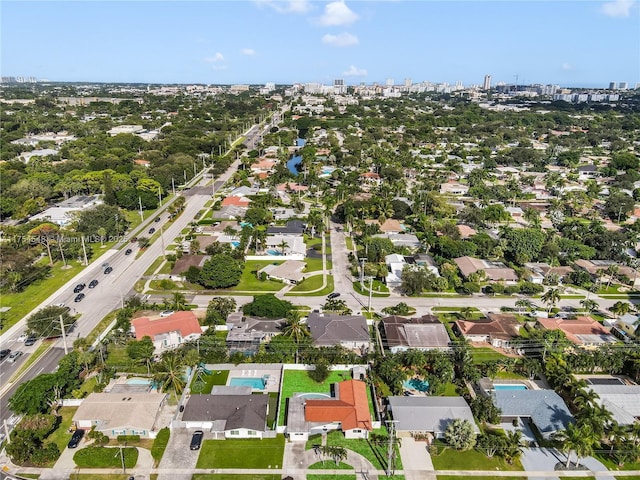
[[423, 333], [390, 225], [184, 263], [584, 331], [494, 271], [628, 324], [279, 245], [406, 240], [598, 268], [454, 188], [428, 415], [346, 409], [167, 332], [63, 213], [497, 330], [245, 334], [587, 172], [622, 400], [466, 231], [291, 271], [539, 271], [263, 165], [293, 227], [395, 265], [230, 412], [348, 331], [120, 413], [545, 409], [236, 201]]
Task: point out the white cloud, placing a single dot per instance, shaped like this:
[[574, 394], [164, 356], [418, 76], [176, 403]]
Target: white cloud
[[219, 67], [286, 6], [340, 40], [618, 8], [355, 72], [337, 13], [566, 67], [218, 57], [248, 51]]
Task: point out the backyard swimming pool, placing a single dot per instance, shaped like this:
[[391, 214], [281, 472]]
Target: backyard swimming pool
[[315, 396], [274, 252], [253, 382], [507, 386], [416, 384], [139, 381]]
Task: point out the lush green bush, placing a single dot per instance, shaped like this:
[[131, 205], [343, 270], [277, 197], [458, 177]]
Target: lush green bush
[[320, 373], [267, 306], [128, 438]]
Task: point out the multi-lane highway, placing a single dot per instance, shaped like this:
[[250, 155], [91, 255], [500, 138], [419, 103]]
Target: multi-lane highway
[[112, 289]]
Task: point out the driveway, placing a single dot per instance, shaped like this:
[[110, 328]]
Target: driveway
[[178, 455], [416, 461]]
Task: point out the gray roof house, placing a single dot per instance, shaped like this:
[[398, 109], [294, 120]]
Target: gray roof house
[[428, 414], [293, 227], [233, 415], [349, 331], [422, 333], [545, 408], [245, 334], [623, 401]]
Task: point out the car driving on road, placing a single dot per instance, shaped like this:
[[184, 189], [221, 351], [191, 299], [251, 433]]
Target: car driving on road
[[128, 252], [93, 283], [79, 297], [14, 356], [108, 270], [78, 288]]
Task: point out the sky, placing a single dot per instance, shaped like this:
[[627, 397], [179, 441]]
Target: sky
[[570, 43]]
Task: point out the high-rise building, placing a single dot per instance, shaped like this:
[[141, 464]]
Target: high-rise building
[[407, 82], [623, 86], [612, 86], [487, 82], [339, 86], [389, 82]]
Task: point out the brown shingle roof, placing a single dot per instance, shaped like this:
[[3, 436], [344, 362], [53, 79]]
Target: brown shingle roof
[[350, 408]]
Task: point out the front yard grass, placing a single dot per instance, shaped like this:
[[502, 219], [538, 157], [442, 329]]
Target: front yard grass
[[105, 457], [379, 290], [154, 266], [242, 453], [329, 287], [485, 354], [298, 381], [21, 303], [102, 326], [376, 454], [61, 435], [449, 459], [249, 281], [160, 444], [330, 465]]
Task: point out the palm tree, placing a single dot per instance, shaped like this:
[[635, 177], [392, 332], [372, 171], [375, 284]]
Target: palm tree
[[523, 304], [465, 312], [169, 373], [178, 301], [620, 308], [589, 305], [512, 446], [551, 297], [612, 271], [571, 439], [283, 244], [294, 328]]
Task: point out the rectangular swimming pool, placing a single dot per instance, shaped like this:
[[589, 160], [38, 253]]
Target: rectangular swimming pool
[[518, 386], [253, 382]]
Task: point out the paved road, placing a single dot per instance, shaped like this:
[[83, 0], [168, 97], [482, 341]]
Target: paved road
[[114, 287]]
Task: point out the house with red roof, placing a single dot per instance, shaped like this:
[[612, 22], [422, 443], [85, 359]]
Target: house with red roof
[[346, 409], [236, 201], [584, 331], [167, 332]]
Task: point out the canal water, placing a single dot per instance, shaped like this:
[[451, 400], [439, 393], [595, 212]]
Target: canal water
[[296, 160]]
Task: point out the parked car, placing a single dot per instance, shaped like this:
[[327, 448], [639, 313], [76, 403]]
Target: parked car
[[105, 264], [30, 341], [75, 439], [79, 297], [166, 313], [22, 337], [78, 288], [13, 356], [108, 270], [128, 252], [151, 230], [93, 283], [196, 440], [333, 295], [4, 352]]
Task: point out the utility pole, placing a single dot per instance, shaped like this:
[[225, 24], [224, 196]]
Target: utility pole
[[370, 293], [173, 186], [64, 336], [162, 239], [140, 204], [159, 196], [362, 260], [84, 250], [61, 252], [392, 441]]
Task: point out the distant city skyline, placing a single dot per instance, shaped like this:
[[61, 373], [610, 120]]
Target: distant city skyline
[[572, 43]]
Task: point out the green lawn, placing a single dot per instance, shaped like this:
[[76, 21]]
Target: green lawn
[[105, 457], [299, 381], [88, 385], [329, 464], [249, 281], [231, 476], [485, 354], [117, 357], [382, 292], [242, 453], [98, 329], [376, 454], [349, 243], [325, 291], [154, 266], [309, 284], [449, 459], [61, 435], [160, 444], [314, 264], [613, 465], [510, 376], [273, 409], [450, 390], [22, 303], [218, 377]]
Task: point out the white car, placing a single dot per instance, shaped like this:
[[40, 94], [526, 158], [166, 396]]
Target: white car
[[22, 337], [166, 313], [14, 356]]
